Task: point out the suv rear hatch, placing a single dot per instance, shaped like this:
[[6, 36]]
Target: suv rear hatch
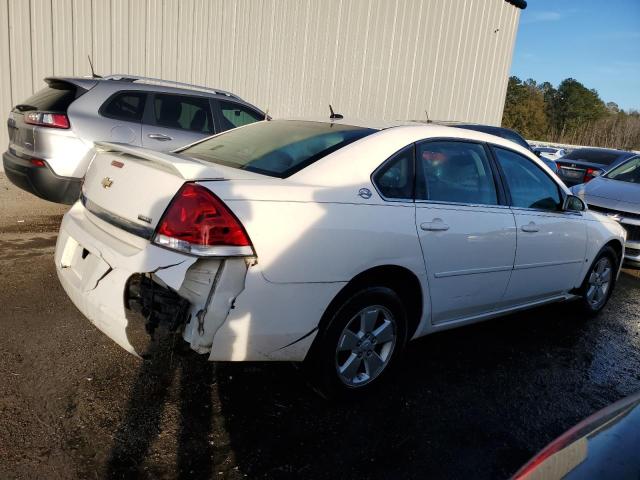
[[42, 113]]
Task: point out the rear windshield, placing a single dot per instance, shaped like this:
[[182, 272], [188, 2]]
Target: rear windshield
[[627, 172], [56, 97], [602, 157], [278, 148]]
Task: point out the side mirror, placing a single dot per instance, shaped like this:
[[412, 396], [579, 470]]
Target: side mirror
[[574, 204]]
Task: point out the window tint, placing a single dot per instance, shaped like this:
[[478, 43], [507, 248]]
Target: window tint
[[185, 113], [395, 178], [236, 115], [454, 172], [127, 106], [278, 148], [529, 186], [56, 97]]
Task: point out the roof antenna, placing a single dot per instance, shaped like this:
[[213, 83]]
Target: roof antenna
[[334, 116], [427, 114], [93, 74]]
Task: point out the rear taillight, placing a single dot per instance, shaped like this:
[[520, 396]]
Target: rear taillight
[[37, 162], [44, 119], [199, 223], [590, 174]]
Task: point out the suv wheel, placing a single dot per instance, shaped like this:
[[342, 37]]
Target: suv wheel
[[361, 342]]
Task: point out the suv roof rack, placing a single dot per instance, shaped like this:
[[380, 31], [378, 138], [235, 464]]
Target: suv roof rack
[[169, 83]]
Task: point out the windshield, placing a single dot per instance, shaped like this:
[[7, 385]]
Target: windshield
[[278, 148], [603, 157], [627, 172]]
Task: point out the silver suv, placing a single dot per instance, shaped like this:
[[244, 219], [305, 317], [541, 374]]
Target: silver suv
[[52, 132]]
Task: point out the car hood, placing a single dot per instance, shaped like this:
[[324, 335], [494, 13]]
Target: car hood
[[611, 194]]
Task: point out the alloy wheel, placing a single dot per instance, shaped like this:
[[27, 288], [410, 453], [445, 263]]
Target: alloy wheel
[[366, 345]]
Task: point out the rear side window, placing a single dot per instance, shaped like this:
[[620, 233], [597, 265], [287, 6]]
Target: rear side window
[[127, 106], [56, 97], [529, 186], [395, 178], [234, 115], [454, 172], [183, 112], [278, 148]]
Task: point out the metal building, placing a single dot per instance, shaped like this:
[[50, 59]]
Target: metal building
[[392, 59]]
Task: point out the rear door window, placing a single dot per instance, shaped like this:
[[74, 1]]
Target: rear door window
[[233, 115], [183, 112], [126, 106], [454, 172]]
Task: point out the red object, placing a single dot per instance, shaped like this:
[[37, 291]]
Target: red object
[[37, 162], [590, 174], [44, 119], [197, 216]]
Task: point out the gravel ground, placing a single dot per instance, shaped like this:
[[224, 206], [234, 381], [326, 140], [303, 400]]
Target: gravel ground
[[470, 403]]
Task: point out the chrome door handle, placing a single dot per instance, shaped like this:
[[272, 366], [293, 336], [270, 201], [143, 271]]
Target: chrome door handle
[[160, 136], [530, 227], [436, 226]]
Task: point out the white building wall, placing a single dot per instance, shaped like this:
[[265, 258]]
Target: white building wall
[[391, 59]]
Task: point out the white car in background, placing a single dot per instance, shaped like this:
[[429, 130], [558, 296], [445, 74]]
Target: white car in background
[[551, 153], [333, 242]]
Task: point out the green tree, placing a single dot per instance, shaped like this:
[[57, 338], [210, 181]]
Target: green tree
[[524, 108], [575, 106]]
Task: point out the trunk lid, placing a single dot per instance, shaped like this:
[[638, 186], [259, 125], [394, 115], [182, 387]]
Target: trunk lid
[[131, 187]]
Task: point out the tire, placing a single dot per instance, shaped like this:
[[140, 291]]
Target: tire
[[361, 342], [599, 282]]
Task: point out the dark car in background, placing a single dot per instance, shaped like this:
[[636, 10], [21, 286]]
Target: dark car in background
[[584, 164], [604, 446], [509, 135]]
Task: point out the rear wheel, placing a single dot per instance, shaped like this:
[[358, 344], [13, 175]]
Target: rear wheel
[[361, 342], [599, 282]]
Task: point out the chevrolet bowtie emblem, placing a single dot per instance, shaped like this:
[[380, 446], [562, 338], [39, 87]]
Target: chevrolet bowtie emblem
[[106, 182]]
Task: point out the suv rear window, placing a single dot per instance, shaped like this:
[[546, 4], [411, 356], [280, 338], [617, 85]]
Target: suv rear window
[[56, 97], [278, 148], [602, 157]]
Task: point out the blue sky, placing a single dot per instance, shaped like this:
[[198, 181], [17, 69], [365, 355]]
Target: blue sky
[[597, 42]]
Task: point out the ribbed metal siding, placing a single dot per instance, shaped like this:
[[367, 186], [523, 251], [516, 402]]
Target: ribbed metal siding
[[369, 58]]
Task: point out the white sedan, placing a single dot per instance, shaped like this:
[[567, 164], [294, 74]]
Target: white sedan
[[330, 242]]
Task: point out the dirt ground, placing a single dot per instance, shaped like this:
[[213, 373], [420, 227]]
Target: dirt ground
[[470, 403]]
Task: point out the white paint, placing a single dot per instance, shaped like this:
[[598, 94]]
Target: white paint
[[311, 234]]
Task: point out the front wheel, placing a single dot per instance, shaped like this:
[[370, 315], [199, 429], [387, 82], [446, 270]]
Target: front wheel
[[361, 342], [599, 282]]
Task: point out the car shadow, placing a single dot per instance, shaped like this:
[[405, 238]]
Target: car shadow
[[475, 402], [166, 363]]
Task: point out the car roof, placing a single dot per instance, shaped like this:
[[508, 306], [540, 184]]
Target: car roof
[[133, 82]]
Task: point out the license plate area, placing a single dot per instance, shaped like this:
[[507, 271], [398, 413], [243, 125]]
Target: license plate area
[[570, 173], [84, 268]]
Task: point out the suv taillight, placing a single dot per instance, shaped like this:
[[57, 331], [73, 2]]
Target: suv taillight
[[44, 119], [199, 223]]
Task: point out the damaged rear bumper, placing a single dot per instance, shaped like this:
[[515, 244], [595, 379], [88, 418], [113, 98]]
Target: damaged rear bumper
[[224, 306]]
